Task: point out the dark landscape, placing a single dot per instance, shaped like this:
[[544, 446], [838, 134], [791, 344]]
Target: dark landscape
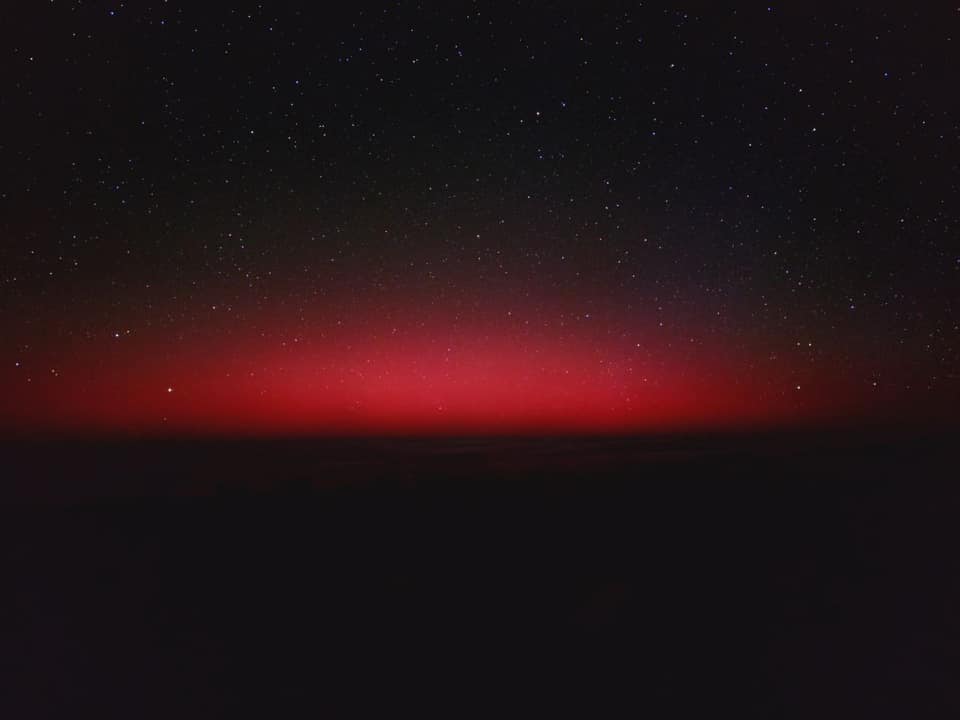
[[778, 575]]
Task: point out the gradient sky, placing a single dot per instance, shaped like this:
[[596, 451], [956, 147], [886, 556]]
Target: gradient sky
[[477, 217]]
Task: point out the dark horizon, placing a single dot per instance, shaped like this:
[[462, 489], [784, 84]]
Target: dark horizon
[[777, 578]]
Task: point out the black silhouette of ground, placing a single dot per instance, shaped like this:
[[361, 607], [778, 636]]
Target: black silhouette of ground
[[774, 576]]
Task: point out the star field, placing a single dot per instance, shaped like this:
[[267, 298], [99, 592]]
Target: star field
[[478, 217]]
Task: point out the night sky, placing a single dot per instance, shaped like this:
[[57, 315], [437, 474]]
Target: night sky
[[489, 217]]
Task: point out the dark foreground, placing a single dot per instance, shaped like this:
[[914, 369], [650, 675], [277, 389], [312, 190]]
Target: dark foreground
[[764, 576]]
